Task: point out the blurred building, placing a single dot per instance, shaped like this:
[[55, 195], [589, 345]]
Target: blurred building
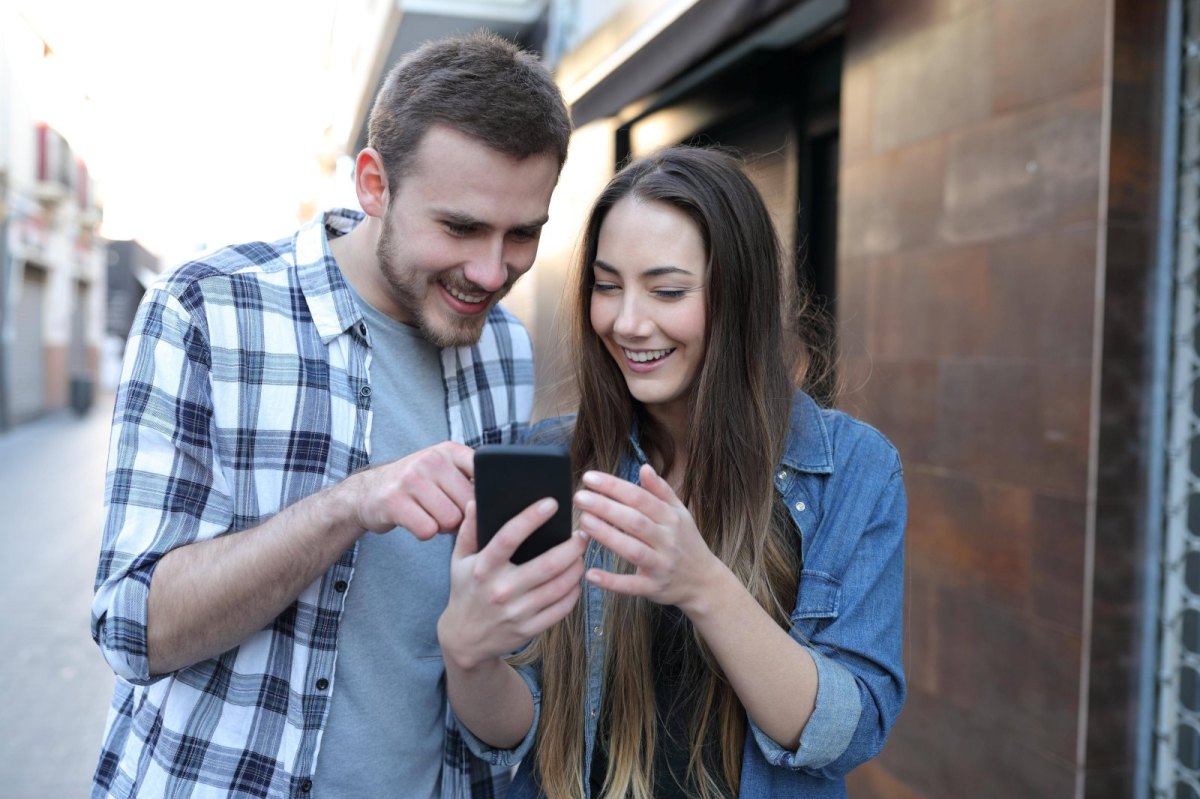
[[131, 268], [52, 262], [998, 200]]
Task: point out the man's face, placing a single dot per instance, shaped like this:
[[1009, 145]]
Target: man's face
[[462, 225]]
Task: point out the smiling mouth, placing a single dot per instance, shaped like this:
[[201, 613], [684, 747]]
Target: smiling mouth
[[646, 356], [463, 296]]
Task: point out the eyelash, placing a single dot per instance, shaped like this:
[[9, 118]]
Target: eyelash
[[662, 294], [461, 231]]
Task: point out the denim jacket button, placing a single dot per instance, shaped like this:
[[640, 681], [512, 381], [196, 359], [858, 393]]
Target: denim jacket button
[[781, 475], [597, 631], [799, 506]]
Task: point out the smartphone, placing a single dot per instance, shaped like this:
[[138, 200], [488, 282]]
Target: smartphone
[[508, 479]]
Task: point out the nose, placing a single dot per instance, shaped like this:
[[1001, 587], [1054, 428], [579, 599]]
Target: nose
[[488, 269], [631, 322]]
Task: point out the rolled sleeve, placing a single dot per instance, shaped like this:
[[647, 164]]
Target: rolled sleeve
[[162, 490], [508, 757], [831, 726], [850, 621]]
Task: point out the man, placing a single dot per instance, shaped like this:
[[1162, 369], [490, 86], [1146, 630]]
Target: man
[[264, 645]]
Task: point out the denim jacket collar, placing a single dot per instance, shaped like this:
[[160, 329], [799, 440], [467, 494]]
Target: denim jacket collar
[[809, 448]]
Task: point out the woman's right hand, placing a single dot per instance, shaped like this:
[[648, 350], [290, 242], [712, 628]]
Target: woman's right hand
[[496, 606]]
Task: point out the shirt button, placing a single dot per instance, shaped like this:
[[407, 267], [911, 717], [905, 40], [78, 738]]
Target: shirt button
[[593, 713], [322, 684], [799, 506], [364, 392], [340, 586], [362, 328], [306, 786]]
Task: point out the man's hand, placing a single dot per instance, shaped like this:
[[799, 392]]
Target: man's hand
[[426, 493]]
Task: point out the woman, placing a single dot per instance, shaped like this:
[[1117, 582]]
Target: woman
[[740, 628]]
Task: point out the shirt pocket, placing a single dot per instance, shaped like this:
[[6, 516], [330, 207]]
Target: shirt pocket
[[820, 597]]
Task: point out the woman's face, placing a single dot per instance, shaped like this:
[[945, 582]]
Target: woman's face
[[649, 300]]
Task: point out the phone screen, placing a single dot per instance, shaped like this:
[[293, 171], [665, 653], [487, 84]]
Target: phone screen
[[510, 478]]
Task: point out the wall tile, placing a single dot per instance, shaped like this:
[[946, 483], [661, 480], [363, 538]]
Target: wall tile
[[936, 81], [950, 752], [1046, 49], [971, 535], [891, 202], [1025, 172], [1017, 674], [1059, 549], [1016, 421], [897, 397]]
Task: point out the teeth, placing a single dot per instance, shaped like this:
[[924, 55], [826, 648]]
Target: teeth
[[647, 355], [474, 299]]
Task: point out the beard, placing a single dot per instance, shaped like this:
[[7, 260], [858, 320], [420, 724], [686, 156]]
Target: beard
[[412, 292]]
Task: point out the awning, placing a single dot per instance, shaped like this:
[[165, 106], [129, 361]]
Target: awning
[[678, 44]]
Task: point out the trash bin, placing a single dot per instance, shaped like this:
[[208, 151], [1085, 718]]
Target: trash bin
[[81, 394]]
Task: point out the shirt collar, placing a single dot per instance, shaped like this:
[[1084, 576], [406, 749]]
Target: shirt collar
[[809, 448], [328, 296]]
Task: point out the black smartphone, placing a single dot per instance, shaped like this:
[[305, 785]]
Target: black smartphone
[[511, 477]]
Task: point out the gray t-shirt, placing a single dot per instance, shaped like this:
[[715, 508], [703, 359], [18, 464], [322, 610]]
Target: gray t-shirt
[[384, 733]]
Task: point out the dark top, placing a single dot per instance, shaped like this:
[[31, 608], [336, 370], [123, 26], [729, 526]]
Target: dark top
[[672, 704]]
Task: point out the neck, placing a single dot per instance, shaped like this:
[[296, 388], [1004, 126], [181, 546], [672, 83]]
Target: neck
[[673, 420], [355, 253]]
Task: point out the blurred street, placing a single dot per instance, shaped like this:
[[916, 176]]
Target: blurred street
[[54, 685]]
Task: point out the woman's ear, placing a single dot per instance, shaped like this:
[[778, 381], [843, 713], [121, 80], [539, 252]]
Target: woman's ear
[[371, 182]]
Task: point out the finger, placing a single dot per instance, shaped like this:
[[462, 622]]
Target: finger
[[656, 485], [414, 518], [514, 532], [546, 567], [629, 584], [445, 472], [621, 516], [619, 543], [625, 492], [550, 592], [461, 456], [467, 542], [434, 500], [554, 614]]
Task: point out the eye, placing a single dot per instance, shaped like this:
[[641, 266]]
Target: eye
[[525, 234], [669, 294], [458, 229], [604, 287]]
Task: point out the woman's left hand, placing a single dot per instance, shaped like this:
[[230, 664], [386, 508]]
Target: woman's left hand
[[651, 529]]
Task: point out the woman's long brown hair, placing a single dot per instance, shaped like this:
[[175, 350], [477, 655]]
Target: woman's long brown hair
[[740, 411]]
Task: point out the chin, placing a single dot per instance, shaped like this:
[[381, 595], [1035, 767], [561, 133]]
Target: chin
[[447, 334]]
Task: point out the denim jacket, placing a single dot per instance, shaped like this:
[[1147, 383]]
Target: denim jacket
[[842, 482]]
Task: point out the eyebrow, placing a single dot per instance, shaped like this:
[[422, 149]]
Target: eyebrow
[[466, 220], [655, 271]]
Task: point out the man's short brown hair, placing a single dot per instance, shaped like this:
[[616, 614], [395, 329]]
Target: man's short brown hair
[[479, 84]]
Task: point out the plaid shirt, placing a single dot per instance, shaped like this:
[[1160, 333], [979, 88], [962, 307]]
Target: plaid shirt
[[245, 388]]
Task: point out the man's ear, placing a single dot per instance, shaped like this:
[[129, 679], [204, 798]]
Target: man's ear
[[371, 182]]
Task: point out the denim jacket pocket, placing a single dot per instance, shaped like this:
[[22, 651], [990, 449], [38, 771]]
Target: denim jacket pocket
[[820, 596]]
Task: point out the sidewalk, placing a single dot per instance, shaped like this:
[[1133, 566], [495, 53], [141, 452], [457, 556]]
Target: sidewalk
[[54, 685]]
